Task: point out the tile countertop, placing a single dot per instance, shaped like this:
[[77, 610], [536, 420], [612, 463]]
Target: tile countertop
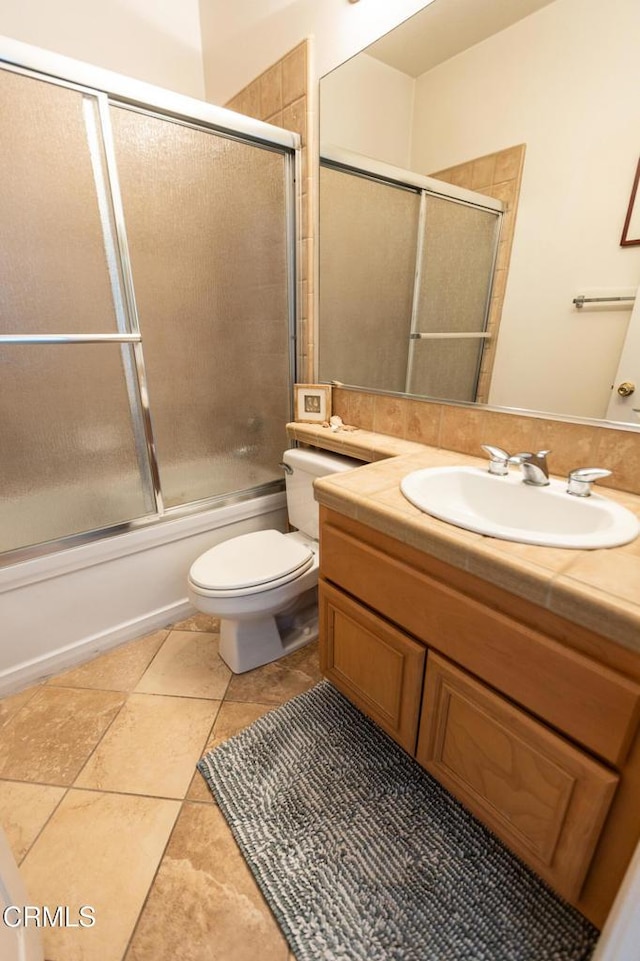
[[599, 589]]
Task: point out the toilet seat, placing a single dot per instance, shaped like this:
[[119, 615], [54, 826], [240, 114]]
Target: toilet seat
[[249, 564]]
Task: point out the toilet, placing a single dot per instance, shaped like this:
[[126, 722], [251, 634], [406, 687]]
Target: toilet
[[263, 585]]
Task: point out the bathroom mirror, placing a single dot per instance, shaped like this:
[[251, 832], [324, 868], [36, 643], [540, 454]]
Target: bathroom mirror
[[464, 82]]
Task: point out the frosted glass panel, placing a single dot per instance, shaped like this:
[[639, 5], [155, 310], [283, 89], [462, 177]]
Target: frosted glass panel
[[207, 235], [68, 459], [54, 275], [446, 369], [368, 236], [455, 280], [456, 269]]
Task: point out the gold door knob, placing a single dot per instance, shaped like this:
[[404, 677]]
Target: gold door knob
[[626, 388]]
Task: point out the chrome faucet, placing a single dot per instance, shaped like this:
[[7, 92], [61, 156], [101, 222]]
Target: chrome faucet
[[534, 467]]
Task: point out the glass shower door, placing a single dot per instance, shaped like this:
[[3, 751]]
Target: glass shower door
[[72, 457], [207, 235], [369, 232], [453, 286]]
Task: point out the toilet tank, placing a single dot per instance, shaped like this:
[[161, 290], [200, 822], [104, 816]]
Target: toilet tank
[[305, 466]]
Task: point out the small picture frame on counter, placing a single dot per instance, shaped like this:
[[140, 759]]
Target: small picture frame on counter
[[312, 403]]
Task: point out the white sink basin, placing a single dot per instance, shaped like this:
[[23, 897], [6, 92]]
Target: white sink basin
[[507, 508]]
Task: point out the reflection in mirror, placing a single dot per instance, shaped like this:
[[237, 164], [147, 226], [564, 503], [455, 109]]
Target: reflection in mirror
[[539, 113], [405, 275]]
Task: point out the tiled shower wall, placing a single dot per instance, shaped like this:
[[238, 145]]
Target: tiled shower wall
[[282, 95]]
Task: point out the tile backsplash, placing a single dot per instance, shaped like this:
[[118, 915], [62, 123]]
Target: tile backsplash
[[464, 429]]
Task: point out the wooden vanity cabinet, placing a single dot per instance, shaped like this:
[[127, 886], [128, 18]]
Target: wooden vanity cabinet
[[530, 720], [544, 797], [378, 667]]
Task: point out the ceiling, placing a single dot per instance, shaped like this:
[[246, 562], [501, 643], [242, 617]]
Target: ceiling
[[445, 28]]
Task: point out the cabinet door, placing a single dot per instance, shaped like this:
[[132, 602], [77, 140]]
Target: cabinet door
[[590, 703], [376, 666], [542, 796]]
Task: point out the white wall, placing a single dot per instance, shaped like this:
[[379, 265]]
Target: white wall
[[564, 81], [242, 39], [153, 40], [367, 107]]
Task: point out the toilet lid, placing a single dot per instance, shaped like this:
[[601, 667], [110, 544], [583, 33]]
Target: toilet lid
[[251, 560]]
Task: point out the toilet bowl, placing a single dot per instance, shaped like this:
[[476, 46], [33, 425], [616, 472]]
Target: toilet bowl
[[263, 585]]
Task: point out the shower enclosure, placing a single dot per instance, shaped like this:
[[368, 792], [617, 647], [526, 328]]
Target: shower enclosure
[[406, 267], [147, 307]]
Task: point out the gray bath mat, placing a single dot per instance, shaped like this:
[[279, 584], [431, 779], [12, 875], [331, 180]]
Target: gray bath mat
[[362, 856]]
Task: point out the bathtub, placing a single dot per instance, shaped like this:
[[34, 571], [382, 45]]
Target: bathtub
[[59, 610]]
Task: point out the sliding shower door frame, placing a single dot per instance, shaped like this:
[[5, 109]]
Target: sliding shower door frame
[[344, 161], [483, 334], [107, 89], [417, 280]]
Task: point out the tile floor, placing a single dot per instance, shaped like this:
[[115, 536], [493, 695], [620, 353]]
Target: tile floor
[[102, 804]]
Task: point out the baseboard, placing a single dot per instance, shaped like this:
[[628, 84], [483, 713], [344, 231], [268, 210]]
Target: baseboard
[[39, 669]]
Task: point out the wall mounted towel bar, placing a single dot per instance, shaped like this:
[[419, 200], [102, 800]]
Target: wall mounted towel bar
[[581, 300]]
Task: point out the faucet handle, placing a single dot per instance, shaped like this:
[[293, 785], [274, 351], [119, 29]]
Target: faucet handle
[[539, 455], [498, 459], [521, 458], [534, 467], [528, 457], [581, 479]]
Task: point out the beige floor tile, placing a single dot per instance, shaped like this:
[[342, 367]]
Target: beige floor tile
[[100, 850], [277, 682], [232, 718], [204, 904], [187, 665], [118, 670], [152, 746], [24, 810], [11, 704], [51, 737], [198, 622]]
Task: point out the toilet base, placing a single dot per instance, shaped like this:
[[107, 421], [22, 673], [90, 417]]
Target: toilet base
[[249, 643]]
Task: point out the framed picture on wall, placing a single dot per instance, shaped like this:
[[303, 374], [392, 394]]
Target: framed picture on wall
[[312, 403], [631, 229]]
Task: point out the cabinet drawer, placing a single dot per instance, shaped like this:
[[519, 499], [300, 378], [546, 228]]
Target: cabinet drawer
[[585, 700], [375, 665], [541, 795]]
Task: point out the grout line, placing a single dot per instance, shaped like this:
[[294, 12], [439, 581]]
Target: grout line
[[96, 790], [255, 700], [168, 629], [34, 690], [65, 791], [101, 790], [152, 883], [129, 693], [21, 780], [100, 739], [203, 748]]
